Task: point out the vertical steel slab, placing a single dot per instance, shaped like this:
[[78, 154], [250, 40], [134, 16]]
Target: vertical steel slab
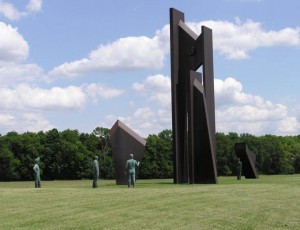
[[193, 163], [124, 141]]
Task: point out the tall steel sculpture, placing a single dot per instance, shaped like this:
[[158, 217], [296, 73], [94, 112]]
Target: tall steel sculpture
[[193, 103], [248, 158], [124, 141]]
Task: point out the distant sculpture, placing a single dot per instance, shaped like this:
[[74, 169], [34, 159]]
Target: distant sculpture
[[37, 175], [239, 167], [95, 172], [248, 159], [131, 164], [125, 141], [193, 103]]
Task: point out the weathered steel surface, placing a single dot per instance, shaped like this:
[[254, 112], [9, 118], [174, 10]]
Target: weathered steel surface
[[124, 141], [193, 104], [248, 158]]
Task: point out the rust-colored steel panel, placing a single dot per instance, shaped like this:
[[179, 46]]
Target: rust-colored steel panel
[[193, 103], [248, 159], [124, 141]]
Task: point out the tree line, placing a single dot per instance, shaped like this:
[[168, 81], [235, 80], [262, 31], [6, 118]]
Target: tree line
[[69, 154]]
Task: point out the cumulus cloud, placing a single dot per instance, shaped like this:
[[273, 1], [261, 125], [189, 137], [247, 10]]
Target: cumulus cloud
[[124, 54], [236, 39], [157, 88], [154, 115], [29, 104], [14, 52], [34, 5], [237, 111], [13, 47], [32, 122], [25, 97], [142, 120], [100, 90], [12, 73], [9, 11], [130, 53]]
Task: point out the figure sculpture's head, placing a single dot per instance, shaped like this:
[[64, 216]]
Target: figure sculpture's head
[[37, 160], [131, 156], [96, 158]]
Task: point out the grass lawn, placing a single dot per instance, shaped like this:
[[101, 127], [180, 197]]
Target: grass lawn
[[270, 202]]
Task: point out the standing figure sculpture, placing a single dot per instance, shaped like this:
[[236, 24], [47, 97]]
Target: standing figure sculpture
[[130, 167], [95, 172], [239, 168], [37, 174]]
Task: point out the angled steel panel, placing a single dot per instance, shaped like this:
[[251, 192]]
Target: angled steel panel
[[248, 159], [124, 141]]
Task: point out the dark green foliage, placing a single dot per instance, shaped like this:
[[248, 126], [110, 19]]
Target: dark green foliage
[[158, 157], [274, 154], [69, 154], [64, 155]]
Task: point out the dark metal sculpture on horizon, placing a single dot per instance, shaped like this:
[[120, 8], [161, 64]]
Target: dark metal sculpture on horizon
[[248, 158], [193, 104], [124, 141]]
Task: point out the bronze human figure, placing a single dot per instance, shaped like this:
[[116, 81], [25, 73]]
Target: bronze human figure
[[37, 174], [95, 172], [131, 164], [239, 167]]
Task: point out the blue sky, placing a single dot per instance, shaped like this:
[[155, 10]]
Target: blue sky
[[84, 64]]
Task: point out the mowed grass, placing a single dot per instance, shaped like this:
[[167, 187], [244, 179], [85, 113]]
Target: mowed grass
[[270, 202]]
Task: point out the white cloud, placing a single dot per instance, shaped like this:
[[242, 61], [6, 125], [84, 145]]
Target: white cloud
[[236, 40], [11, 73], [13, 47], [34, 5], [32, 122], [289, 126], [6, 119], [154, 115], [130, 53], [14, 52], [124, 54], [230, 92], [157, 88], [9, 11], [142, 121], [100, 90], [144, 113], [25, 97], [237, 111]]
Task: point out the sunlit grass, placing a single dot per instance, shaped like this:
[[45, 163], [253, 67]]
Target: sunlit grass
[[270, 202]]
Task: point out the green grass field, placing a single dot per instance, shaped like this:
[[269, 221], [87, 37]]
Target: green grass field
[[270, 202]]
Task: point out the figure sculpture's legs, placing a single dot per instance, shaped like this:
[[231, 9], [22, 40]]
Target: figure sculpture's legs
[[95, 182], [131, 179], [37, 182], [239, 175]]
